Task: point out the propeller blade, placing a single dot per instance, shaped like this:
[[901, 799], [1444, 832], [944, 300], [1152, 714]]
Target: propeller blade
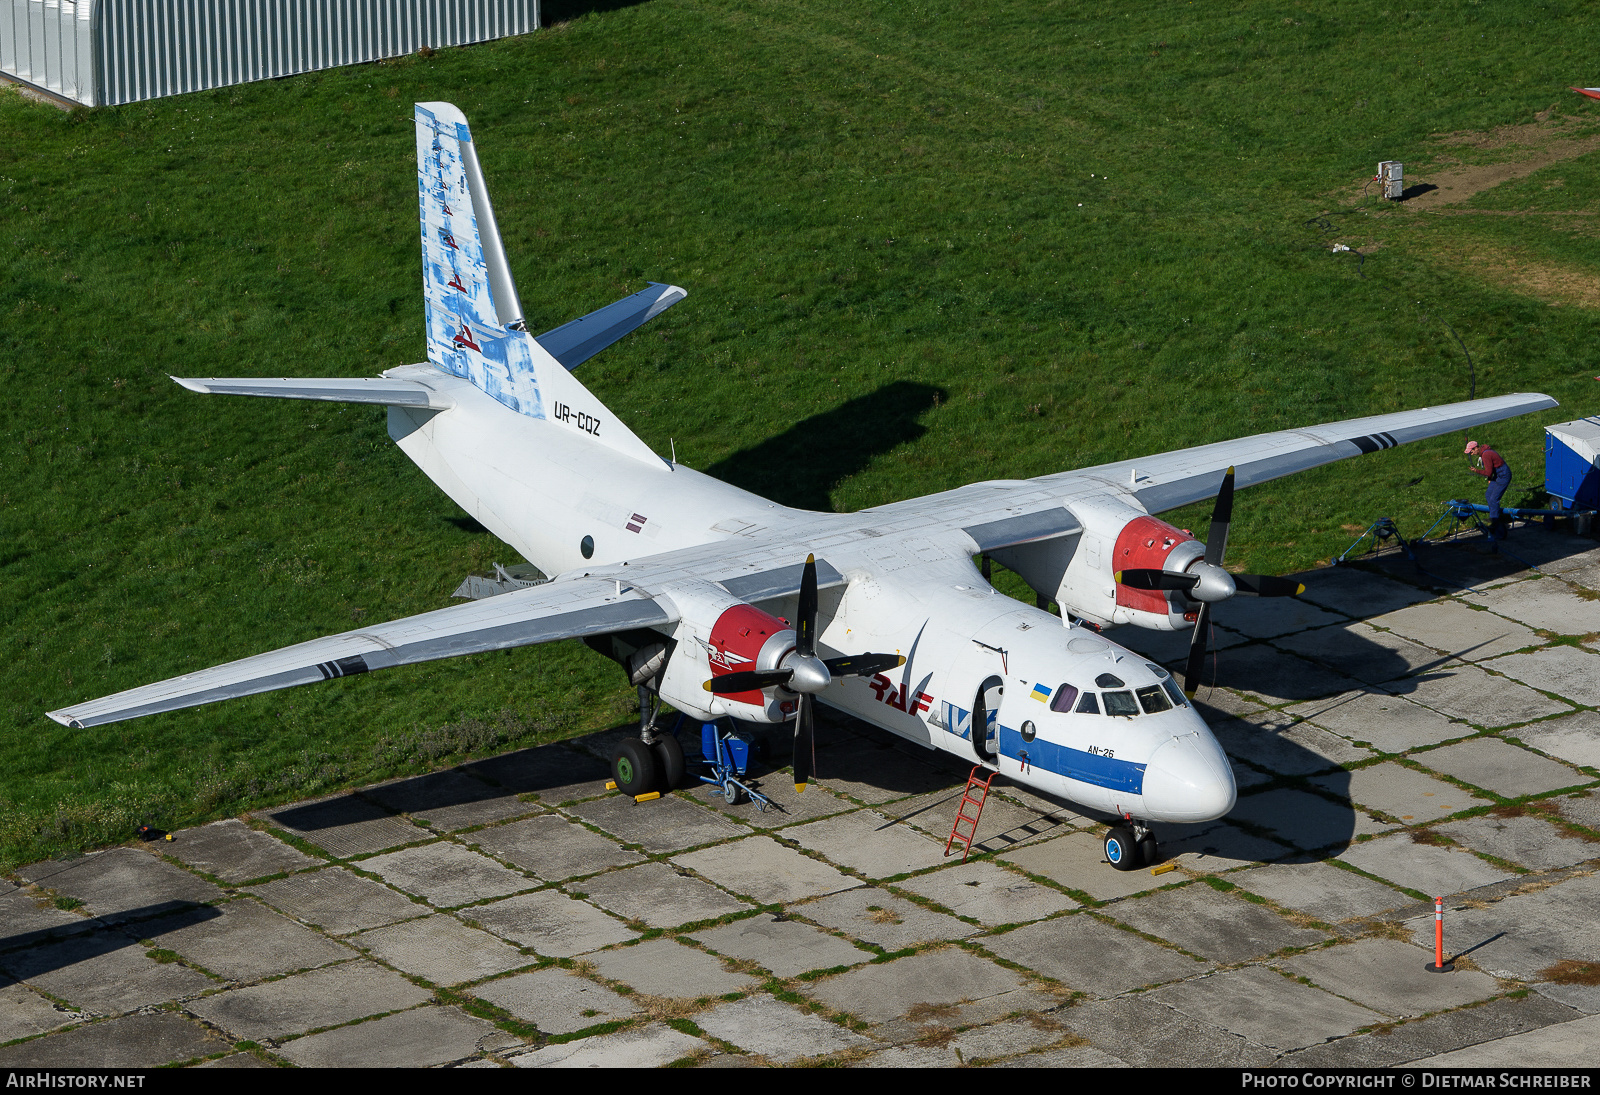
[[1156, 579], [1221, 518], [805, 744], [805, 626], [1197, 652], [731, 683], [1263, 585], [862, 665]]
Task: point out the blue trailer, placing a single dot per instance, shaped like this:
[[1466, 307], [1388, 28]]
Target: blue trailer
[[1572, 463]]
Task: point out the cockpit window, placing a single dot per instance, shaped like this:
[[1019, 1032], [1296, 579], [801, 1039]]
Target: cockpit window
[[1120, 703], [1108, 680], [1065, 697], [1175, 692], [1088, 705], [1153, 699]]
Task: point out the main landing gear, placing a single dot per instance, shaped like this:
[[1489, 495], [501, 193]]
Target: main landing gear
[[653, 761], [1131, 846]]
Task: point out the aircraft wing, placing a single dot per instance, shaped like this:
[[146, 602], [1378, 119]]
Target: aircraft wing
[[1011, 513], [595, 603], [561, 609], [1189, 475]]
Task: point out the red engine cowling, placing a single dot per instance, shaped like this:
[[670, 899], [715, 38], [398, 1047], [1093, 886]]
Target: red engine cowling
[[1144, 544], [746, 638]]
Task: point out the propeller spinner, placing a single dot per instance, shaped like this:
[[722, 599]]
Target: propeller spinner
[[804, 674], [1208, 583]]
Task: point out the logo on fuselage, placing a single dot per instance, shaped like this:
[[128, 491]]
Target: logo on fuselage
[[895, 695]]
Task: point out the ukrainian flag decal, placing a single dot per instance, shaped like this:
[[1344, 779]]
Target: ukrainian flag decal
[[1041, 693]]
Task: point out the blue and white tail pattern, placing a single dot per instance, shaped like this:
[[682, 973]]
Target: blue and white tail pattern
[[474, 319], [475, 325]]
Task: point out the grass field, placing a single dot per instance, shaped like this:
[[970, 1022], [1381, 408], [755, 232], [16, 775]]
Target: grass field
[[925, 243]]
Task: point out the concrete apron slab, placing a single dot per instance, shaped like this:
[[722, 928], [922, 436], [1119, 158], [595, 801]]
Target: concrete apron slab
[[989, 894], [1266, 1007], [1386, 722], [556, 1000], [776, 1031], [1389, 976], [665, 967], [308, 1001], [940, 977], [234, 852], [765, 871], [1400, 792], [786, 948]]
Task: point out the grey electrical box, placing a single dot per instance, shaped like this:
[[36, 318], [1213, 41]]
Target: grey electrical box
[[1391, 179]]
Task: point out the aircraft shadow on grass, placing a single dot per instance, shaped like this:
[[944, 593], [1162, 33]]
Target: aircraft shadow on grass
[[801, 466], [554, 12]]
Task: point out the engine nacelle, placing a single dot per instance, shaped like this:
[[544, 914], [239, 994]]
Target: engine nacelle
[[718, 634], [1118, 537]]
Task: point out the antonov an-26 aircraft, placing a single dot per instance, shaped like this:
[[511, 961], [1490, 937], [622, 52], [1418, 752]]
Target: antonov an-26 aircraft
[[685, 580]]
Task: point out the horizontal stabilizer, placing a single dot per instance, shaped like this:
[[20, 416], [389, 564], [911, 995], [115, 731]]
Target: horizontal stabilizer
[[388, 391], [574, 343]]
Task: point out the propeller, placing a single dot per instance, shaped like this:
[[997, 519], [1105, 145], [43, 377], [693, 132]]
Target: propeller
[[1208, 583], [804, 674]]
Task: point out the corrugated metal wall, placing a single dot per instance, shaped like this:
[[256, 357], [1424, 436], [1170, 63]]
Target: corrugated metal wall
[[99, 52], [48, 44]]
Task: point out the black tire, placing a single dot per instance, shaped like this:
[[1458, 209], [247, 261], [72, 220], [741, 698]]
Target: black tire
[[1149, 855], [634, 767], [1122, 852], [669, 761]]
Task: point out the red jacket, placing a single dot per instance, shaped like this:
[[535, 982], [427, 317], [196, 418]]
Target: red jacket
[[1491, 463]]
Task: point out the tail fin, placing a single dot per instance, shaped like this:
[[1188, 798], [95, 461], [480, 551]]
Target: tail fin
[[475, 326]]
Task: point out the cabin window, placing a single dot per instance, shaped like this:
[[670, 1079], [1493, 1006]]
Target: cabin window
[[1109, 680], [1088, 705], [1153, 699], [1120, 703], [1065, 697]]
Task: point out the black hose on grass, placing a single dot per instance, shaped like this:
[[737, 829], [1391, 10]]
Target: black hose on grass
[[1472, 370], [1321, 221]]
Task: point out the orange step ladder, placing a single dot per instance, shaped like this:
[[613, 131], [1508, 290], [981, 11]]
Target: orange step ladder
[[976, 794]]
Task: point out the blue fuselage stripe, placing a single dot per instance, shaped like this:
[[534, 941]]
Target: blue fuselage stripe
[[1091, 768]]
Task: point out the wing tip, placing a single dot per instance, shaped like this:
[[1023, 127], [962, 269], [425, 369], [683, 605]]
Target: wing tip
[[192, 384]]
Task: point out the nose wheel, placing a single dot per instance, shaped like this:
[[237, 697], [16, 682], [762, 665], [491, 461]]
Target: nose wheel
[[1129, 847]]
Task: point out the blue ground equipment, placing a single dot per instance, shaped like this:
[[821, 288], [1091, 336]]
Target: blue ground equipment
[[726, 755], [1572, 463]]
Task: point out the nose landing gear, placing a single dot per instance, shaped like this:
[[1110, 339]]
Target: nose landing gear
[[1131, 846]]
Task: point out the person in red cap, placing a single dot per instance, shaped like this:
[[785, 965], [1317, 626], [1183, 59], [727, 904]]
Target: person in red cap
[[1493, 468]]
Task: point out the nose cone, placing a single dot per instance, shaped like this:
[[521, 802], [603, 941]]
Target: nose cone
[[1188, 779]]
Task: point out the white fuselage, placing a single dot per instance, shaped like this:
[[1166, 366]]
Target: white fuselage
[[980, 670]]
